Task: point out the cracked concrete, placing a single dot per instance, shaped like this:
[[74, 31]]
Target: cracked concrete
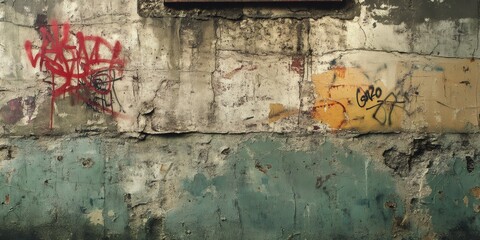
[[351, 120]]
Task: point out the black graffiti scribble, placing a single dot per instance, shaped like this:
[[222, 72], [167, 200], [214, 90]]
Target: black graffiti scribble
[[384, 109], [367, 95], [100, 81]]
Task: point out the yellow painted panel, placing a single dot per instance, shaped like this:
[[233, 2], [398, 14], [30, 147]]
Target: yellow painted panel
[[433, 95]]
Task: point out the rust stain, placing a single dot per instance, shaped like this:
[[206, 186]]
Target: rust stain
[[232, 73], [263, 169], [340, 71], [390, 204], [278, 112], [475, 192], [298, 65], [321, 180], [7, 199], [339, 86]]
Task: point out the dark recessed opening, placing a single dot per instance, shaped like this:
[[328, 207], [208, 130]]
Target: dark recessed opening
[[228, 4], [245, 1]]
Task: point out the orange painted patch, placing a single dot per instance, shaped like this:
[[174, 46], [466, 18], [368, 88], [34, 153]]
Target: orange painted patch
[[340, 71], [447, 92], [331, 112], [278, 112]]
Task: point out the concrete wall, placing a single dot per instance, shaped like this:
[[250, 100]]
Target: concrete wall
[[140, 120]]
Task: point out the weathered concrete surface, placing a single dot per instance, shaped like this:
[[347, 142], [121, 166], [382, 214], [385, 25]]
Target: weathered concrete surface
[[201, 73], [240, 187], [351, 120]]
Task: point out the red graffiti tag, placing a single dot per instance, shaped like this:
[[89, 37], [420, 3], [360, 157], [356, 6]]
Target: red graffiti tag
[[86, 70]]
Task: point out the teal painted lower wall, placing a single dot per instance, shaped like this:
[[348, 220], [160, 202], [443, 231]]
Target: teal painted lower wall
[[267, 192], [62, 189], [258, 186]]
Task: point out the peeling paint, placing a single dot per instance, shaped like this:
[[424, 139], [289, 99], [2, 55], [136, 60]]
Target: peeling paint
[[278, 111]]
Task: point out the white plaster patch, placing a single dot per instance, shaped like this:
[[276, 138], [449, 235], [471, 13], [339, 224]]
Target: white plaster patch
[[384, 10], [2, 13], [63, 115], [96, 217], [136, 181], [70, 9]]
